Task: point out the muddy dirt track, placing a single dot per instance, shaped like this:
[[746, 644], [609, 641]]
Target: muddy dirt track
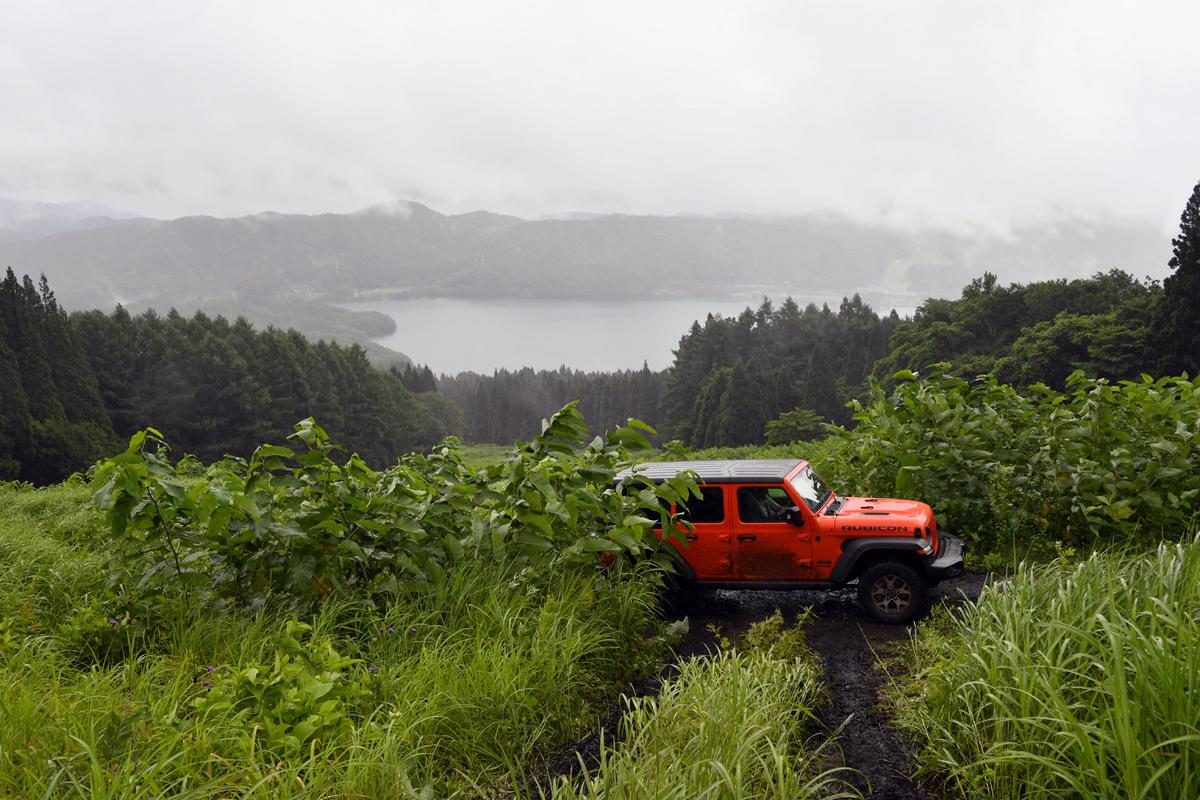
[[844, 637]]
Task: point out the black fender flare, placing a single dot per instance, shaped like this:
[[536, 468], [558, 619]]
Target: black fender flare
[[855, 550]]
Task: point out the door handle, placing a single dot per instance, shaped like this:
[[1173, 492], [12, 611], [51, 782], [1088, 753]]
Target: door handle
[[691, 537], [746, 537]]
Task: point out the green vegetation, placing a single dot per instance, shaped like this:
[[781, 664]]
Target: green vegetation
[[1013, 472], [299, 625], [52, 420], [72, 386], [1016, 472], [1066, 681], [731, 725], [508, 404], [732, 376], [1177, 328], [304, 528], [1040, 332]]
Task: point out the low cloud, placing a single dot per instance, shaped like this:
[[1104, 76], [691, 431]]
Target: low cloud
[[922, 113]]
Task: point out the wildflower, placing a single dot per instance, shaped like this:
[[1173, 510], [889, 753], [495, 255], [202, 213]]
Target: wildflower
[[207, 684], [412, 631], [210, 668], [391, 629], [113, 621], [373, 669]]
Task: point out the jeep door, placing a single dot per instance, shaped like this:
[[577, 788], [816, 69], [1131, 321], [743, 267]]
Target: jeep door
[[766, 545], [709, 551]]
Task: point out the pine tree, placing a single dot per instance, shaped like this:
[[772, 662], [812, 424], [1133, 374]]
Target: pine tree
[[1178, 319]]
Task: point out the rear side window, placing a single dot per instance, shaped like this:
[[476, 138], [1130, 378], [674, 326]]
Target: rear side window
[[708, 507]]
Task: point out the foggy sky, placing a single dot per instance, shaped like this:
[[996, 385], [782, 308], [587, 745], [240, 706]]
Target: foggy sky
[[938, 113]]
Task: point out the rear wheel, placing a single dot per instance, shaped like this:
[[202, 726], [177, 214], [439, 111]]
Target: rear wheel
[[892, 592], [677, 597]]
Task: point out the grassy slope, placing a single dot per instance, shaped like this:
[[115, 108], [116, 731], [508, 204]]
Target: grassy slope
[[456, 690], [730, 725], [1069, 680]]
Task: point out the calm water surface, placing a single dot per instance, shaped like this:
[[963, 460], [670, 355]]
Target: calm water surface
[[456, 335]]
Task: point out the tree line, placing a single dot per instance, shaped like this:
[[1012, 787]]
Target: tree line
[[510, 404], [73, 386]]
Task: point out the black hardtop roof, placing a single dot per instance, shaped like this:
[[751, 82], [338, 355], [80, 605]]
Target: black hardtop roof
[[765, 470]]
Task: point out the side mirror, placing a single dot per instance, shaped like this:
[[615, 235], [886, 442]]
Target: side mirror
[[795, 517]]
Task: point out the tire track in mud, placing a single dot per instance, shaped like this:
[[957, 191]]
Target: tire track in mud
[[842, 636], [881, 760]]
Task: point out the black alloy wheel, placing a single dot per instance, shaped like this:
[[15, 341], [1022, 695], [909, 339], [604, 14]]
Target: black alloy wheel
[[892, 592]]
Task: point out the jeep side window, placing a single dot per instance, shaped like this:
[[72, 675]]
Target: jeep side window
[[762, 504], [708, 507]]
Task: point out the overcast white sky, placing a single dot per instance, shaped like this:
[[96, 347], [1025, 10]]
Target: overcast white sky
[[917, 112]]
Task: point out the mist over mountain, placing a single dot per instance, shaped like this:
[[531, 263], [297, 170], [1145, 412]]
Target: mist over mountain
[[28, 219], [410, 250]]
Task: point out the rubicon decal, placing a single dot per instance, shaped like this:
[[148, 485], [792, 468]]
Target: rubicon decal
[[892, 528]]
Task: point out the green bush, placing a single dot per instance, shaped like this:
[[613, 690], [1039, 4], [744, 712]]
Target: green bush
[[1008, 470], [300, 528], [304, 696]]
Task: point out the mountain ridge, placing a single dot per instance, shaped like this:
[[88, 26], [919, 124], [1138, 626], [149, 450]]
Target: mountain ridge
[[408, 249]]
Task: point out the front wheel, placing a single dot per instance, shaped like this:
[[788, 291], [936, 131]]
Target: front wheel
[[892, 592]]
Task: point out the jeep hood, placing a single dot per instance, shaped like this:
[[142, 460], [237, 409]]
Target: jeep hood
[[885, 515]]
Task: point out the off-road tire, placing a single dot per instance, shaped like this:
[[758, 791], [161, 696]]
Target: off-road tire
[[892, 592], [677, 598]]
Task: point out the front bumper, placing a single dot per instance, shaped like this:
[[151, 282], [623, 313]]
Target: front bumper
[[948, 561]]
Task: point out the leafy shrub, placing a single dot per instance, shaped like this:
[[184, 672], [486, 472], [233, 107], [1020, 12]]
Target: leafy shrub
[[797, 425], [307, 695], [304, 527], [1093, 465], [771, 637]]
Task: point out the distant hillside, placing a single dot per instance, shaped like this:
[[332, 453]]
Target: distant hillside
[[409, 250], [26, 219]]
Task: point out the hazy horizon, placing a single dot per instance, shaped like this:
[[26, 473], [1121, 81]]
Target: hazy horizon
[[930, 114]]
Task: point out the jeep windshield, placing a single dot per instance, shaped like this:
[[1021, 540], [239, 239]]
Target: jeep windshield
[[811, 488]]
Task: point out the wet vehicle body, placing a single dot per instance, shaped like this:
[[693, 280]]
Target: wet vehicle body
[[775, 524]]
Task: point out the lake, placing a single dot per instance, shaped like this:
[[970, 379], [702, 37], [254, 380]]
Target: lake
[[452, 335]]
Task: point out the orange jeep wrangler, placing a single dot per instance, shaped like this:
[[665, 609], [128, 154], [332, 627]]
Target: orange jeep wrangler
[[774, 524]]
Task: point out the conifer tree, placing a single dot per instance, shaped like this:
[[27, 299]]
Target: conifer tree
[[1178, 319]]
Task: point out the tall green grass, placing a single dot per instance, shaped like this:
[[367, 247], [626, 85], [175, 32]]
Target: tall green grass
[[1079, 681], [733, 725], [455, 690]]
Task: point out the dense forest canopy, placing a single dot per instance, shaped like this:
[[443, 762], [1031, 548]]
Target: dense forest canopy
[[52, 419], [1031, 333], [72, 386], [733, 375]]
